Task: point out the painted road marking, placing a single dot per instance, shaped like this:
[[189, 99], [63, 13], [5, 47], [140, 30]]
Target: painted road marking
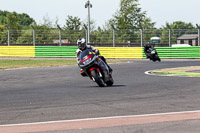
[[190, 71], [100, 122]]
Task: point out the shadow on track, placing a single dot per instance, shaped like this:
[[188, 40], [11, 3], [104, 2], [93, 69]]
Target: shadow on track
[[110, 86], [117, 86]]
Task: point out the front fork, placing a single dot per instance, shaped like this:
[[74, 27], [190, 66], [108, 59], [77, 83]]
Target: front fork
[[97, 70]]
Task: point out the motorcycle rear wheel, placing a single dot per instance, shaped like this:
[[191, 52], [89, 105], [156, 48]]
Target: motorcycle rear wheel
[[157, 58], [97, 78]]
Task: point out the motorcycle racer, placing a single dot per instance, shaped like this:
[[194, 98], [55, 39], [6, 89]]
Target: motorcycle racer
[[81, 43], [151, 52]]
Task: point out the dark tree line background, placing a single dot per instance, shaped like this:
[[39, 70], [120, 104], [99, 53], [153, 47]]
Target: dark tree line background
[[127, 20]]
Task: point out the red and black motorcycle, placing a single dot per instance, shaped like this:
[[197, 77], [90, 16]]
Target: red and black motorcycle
[[95, 68]]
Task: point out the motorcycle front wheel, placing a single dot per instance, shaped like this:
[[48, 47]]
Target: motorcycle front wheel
[[110, 82], [97, 78]]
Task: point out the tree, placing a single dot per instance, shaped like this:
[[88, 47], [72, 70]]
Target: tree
[[3, 34], [178, 28], [73, 29], [13, 21], [181, 25], [72, 23], [43, 34], [130, 18], [25, 20], [101, 35], [14, 25], [148, 30], [26, 37], [3, 15]]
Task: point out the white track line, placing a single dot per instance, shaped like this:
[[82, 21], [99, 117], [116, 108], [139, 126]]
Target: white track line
[[149, 73], [101, 118]]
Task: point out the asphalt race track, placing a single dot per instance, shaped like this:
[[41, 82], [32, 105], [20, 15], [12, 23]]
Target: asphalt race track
[[31, 95]]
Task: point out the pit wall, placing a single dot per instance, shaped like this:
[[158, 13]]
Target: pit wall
[[107, 52]]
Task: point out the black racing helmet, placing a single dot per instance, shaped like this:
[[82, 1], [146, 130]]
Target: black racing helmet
[[147, 45]]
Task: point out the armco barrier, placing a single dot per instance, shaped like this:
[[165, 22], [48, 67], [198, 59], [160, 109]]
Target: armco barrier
[[121, 52], [178, 52], [17, 51], [55, 51]]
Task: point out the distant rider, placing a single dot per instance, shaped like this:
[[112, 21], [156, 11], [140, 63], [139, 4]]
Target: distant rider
[[81, 42], [147, 49]]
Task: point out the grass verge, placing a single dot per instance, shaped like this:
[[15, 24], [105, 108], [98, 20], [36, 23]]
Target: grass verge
[[9, 64]]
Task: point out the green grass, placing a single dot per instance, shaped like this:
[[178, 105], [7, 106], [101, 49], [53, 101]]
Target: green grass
[[9, 64]]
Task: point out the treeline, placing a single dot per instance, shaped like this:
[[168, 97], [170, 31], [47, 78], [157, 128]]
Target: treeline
[[128, 21]]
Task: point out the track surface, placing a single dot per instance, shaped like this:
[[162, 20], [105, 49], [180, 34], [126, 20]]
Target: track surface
[[60, 93]]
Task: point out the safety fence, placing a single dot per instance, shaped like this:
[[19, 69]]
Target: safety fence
[[132, 37], [107, 52]]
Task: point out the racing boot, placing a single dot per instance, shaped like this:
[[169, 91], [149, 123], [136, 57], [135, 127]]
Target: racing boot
[[82, 73]]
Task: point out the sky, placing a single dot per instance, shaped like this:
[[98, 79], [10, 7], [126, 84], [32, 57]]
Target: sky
[[160, 11]]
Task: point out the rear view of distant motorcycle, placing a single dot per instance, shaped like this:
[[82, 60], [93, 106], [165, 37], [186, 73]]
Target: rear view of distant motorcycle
[[151, 53]]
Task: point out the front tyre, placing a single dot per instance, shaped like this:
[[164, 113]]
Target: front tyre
[[110, 82], [97, 78]]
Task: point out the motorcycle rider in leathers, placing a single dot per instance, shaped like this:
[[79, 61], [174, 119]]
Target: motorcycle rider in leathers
[[147, 50], [81, 42]]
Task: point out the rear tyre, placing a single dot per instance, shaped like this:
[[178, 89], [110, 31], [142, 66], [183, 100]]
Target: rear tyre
[[157, 58], [97, 78], [154, 58]]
